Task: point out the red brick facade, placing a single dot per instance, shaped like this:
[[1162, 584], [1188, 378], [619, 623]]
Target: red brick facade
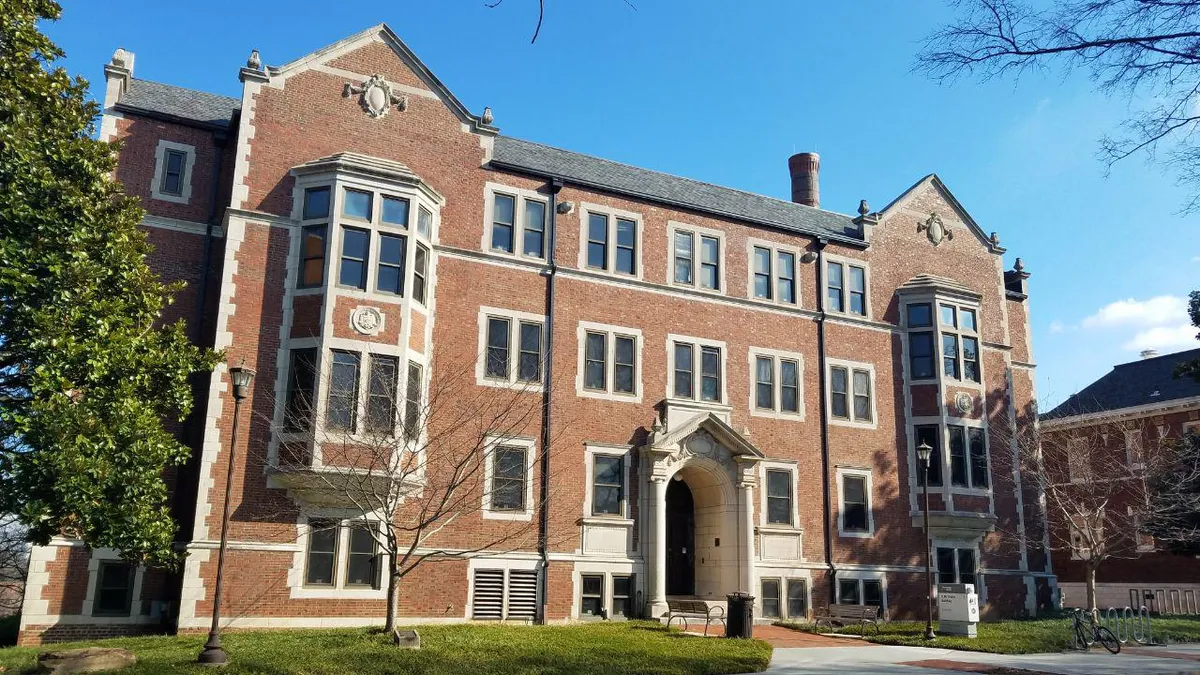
[[921, 249]]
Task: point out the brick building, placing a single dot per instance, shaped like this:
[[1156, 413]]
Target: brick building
[[1128, 412], [736, 383]]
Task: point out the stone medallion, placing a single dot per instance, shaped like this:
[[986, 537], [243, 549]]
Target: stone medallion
[[964, 402], [367, 320], [935, 229], [375, 96]]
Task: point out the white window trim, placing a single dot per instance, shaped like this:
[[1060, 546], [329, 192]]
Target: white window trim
[[847, 262], [520, 197], [609, 362], [673, 227], [948, 461], [585, 209], [608, 570], [1132, 437], [492, 442], [841, 472], [135, 615], [514, 348], [696, 343], [591, 450], [851, 366], [939, 330], [775, 250], [777, 412], [860, 576], [160, 165], [297, 574], [791, 468], [958, 544]]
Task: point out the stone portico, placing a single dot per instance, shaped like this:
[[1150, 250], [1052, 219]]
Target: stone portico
[[701, 476]]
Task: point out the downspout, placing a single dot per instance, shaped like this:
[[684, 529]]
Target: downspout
[[826, 490], [547, 398], [202, 293]]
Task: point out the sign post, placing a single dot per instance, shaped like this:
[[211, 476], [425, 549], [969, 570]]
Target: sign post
[[958, 609]]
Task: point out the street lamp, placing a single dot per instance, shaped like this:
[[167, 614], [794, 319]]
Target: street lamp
[[923, 452], [212, 654]]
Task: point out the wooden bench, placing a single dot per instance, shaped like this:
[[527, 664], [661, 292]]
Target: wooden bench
[[694, 609], [845, 615]]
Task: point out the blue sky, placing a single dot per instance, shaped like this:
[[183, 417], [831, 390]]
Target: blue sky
[[724, 92]]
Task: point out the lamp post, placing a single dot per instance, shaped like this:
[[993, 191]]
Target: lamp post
[[923, 452], [212, 654]]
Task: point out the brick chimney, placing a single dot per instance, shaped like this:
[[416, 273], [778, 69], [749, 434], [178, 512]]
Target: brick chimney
[[806, 186]]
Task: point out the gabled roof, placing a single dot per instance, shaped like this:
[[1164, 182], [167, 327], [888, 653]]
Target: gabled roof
[[727, 436], [1143, 382], [603, 174], [178, 104], [933, 283], [933, 180]]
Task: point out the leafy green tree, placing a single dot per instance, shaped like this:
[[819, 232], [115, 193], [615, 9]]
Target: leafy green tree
[[1192, 368], [88, 372]]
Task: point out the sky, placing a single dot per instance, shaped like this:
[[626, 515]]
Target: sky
[[725, 91]]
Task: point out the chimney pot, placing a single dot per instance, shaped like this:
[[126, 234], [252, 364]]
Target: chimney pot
[[1149, 353], [805, 168]]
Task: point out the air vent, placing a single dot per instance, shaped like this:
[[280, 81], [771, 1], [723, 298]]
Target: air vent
[[488, 600], [522, 594]]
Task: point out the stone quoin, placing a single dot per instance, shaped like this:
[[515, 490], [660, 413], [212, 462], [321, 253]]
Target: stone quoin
[[737, 385]]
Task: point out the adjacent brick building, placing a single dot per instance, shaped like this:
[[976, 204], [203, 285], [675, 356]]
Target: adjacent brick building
[[1126, 415], [736, 384]]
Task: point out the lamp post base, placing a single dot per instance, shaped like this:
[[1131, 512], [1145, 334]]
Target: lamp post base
[[929, 634], [212, 654]]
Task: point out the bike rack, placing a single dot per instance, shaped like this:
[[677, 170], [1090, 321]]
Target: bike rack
[[1125, 623]]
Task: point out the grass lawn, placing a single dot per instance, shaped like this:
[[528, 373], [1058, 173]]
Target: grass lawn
[[617, 647], [1010, 637]]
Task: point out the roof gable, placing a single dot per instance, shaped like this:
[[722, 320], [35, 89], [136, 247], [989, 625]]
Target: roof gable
[[932, 182]]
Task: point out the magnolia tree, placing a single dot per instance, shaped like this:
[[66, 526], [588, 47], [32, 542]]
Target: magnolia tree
[[413, 465]]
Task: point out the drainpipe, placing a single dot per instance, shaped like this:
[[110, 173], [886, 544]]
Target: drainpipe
[[202, 293], [826, 490], [544, 513]]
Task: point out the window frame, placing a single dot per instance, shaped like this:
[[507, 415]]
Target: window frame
[[365, 261], [491, 443], [355, 412], [611, 215], [611, 335], [790, 468], [960, 335], [751, 272], [305, 258], [339, 588], [842, 473], [698, 235], [391, 398], [515, 321], [521, 198], [778, 598], [860, 578], [778, 357], [846, 264], [958, 548], [852, 419], [402, 266], [130, 589], [594, 483], [523, 479], [790, 476], [291, 413], [1135, 450], [157, 180], [628, 510], [699, 345]]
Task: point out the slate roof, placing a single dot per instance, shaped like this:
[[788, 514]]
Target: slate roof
[[573, 167], [166, 100], [1132, 384]]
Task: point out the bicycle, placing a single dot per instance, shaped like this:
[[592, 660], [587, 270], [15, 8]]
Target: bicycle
[[1093, 632]]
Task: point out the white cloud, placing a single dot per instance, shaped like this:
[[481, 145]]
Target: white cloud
[[1196, 258], [1164, 338], [1056, 326], [1164, 310]]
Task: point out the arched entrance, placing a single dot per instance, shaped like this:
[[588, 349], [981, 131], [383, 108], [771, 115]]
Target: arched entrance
[[681, 539]]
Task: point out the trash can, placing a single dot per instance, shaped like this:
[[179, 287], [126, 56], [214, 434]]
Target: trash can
[[740, 618]]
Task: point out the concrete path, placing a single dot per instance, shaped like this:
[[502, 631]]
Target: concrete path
[[860, 659]]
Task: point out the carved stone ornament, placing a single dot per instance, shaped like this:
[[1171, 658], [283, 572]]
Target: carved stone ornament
[[367, 320], [964, 402], [375, 96], [935, 229], [699, 444]]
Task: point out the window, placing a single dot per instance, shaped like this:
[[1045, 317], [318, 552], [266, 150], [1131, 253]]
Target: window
[[503, 222], [774, 276], [424, 221], [858, 290], [968, 457], [789, 385], [512, 349], [697, 256], [591, 599], [343, 391], [856, 505], [920, 315], [412, 400], [622, 601], [498, 334], [958, 456], [534, 237], [608, 481], [684, 258], [797, 598], [872, 592], [420, 261], [860, 592], [609, 362], [611, 242], [316, 203], [1079, 464], [508, 478], [960, 343], [956, 566], [114, 588], [835, 286], [302, 377], [764, 374], [845, 286], [920, 354], [779, 497], [355, 249], [1133, 448], [395, 211], [979, 458], [950, 356], [312, 253], [381, 394], [172, 178], [390, 277], [710, 370], [848, 592], [770, 598], [927, 434], [322, 552], [516, 222], [529, 362], [683, 370], [357, 205], [851, 398], [362, 568]]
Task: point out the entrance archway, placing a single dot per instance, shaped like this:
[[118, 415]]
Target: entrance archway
[[681, 539]]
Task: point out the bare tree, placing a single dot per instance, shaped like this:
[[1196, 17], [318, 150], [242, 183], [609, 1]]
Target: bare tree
[[14, 564], [417, 468], [1173, 517], [1143, 49]]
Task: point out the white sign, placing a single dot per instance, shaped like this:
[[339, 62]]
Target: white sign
[[958, 606]]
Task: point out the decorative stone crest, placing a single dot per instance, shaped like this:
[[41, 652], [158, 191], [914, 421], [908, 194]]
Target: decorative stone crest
[[367, 320], [375, 96], [935, 229], [699, 444], [964, 402]]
